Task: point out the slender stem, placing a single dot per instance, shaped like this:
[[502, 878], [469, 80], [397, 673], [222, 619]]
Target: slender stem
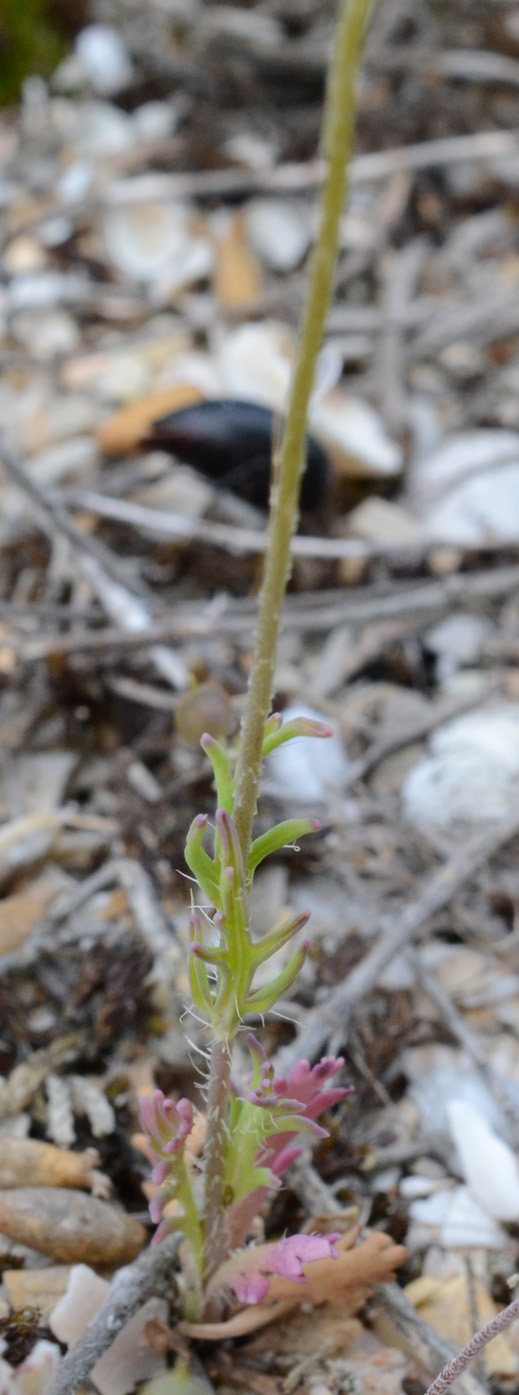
[[481, 1339], [215, 1153], [289, 462], [288, 469]]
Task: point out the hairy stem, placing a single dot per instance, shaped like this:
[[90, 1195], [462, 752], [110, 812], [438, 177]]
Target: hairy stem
[[289, 462], [288, 469], [215, 1154], [481, 1339]]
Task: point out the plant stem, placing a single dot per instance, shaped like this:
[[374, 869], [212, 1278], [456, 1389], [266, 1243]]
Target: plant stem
[[288, 469], [289, 463], [215, 1152]]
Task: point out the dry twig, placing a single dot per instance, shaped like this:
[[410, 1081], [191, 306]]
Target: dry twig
[[128, 1291], [397, 932]]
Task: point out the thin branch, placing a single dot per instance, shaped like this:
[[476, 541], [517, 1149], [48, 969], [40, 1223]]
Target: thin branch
[[323, 1026], [130, 1288], [461, 1361]]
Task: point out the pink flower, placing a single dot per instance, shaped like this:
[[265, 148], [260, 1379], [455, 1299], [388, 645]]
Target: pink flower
[[302, 1095], [166, 1125], [251, 1288], [246, 1271], [289, 1255]]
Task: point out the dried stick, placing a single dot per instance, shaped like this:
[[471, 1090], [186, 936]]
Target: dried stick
[[439, 890], [128, 1291], [481, 1340]]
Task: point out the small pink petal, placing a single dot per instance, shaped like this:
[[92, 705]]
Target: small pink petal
[[290, 1254], [251, 1288]]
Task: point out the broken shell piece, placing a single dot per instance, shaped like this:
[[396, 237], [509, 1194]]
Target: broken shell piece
[[146, 240], [467, 491], [125, 430], [35, 1375], [46, 334], [20, 912], [457, 458], [481, 509], [381, 521], [305, 769], [69, 1226], [278, 232], [128, 1360], [256, 363], [24, 841], [193, 262], [36, 1288], [353, 435], [488, 1164], [471, 775], [455, 1219], [237, 279], [26, 1162], [24, 253], [103, 58]]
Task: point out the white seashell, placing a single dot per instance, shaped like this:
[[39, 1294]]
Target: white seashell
[[472, 775], [482, 508], [179, 491], [468, 1224], [24, 841], [46, 334], [488, 1164], [354, 437], [36, 1374], [23, 253], [103, 58], [455, 640], [416, 1186], [255, 362], [144, 240], [75, 182], [431, 1210], [457, 1220], [467, 490], [154, 121], [194, 261], [466, 453], [307, 770], [380, 520], [278, 232], [102, 130]]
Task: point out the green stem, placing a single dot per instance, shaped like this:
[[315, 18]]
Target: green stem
[[288, 469], [215, 1156], [289, 463]]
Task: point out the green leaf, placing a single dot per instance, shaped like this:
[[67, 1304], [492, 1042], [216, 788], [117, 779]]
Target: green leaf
[[199, 862], [299, 726], [222, 770], [264, 998], [265, 948], [279, 837]]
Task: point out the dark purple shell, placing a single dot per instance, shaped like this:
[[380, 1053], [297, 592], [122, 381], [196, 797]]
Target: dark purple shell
[[232, 442]]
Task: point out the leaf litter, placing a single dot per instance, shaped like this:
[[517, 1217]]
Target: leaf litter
[[159, 204]]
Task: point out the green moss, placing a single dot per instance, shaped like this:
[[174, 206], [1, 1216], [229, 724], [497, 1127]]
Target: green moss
[[30, 42]]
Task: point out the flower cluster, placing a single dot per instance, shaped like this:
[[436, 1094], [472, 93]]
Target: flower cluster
[[253, 1131], [265, 1118]]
